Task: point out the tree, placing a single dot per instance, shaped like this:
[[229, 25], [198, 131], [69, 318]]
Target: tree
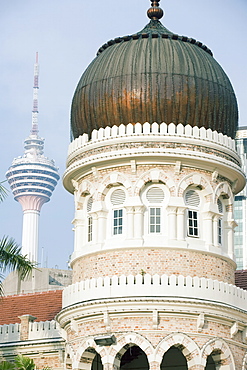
[[11, 258], [6, 365], [3, 191], [20, 363], [24, 363]]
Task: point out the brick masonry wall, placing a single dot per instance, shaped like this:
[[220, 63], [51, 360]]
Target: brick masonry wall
[[121, 324], [51, 361], [152, 261]]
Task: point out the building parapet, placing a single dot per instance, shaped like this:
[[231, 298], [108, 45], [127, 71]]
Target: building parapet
[[10, 333], [155, 286], [44, 329], [36, 330], [162, 129]]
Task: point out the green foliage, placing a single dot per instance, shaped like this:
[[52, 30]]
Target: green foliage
[[3, 191], [24, 363], [5, 365], [21, 363], [12, 259]]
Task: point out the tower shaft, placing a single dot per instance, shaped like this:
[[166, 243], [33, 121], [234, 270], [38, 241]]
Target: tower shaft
[[30, 234]]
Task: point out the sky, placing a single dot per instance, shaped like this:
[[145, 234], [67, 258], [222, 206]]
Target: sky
[[67, 35]]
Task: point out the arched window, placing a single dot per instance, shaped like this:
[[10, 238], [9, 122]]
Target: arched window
[[134, 359], [192, 200], [117, 200], [89, 220], [220, 221], [155, 197], [90, 360], [174, 359], [97, 363], [210, 365]]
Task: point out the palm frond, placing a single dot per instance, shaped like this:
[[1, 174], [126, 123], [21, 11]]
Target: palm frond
[[6, 365], [3, 191], [24, 363], [11, 259]]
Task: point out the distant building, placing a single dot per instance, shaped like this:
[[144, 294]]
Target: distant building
[[240, 206]]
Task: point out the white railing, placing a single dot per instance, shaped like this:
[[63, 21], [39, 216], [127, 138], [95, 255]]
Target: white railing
[[9, 333], [152, 129], [44, 329], [155, 286], [37, 330]]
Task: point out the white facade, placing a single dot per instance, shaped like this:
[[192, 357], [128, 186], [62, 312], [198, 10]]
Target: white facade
[[240, 205], [153, 258], [135, 206]]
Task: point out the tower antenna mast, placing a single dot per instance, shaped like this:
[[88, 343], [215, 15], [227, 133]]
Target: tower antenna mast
[[35, 111]]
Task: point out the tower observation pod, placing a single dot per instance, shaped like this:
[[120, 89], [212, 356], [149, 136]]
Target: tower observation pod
[[32, 178]]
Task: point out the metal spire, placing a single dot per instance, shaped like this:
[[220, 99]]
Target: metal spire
[[155, 12], [35, 111]]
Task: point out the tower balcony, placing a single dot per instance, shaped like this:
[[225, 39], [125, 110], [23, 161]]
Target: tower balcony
[[146, 287], [150, 143]]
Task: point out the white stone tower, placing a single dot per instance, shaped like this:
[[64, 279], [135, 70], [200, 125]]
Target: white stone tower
[[32, 178], [154, 169], [240, 205]]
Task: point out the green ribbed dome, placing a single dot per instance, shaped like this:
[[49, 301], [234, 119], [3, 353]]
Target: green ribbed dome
[[154, 76]]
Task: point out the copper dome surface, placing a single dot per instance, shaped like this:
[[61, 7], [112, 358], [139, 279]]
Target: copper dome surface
[[154, 76]]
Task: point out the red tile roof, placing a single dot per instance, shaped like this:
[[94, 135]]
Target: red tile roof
[[44, 306], [241, 279]]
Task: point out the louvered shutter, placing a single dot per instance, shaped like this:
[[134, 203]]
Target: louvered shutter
[[192, 198], [118, 197], [89, 204], [220, 206], [155, 195]]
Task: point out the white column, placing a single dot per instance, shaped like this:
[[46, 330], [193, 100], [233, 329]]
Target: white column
[[180, 223], [130, 221], [207, 228], [95, 235], [172, 222], [102, 216], [30, 234], [230, 237], [79, 230], [216, 231], [138, 222]]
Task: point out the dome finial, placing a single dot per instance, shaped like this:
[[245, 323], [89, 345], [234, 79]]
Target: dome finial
[[155, 12]]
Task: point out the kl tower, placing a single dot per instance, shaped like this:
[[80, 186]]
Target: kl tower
[[32, 178]]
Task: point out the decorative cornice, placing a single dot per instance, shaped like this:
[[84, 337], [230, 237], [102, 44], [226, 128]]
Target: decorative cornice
[[152, 143], [153, 129]]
